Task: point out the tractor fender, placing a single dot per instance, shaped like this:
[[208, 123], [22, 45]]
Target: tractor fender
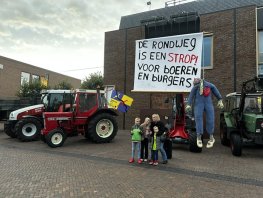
[[40, 119], [109, 111], [230, 131], [225, 118]]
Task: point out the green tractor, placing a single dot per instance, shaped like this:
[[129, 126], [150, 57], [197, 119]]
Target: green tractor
[[241, 122]]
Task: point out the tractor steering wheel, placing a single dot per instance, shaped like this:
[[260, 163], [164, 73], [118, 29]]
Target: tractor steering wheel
[[234, 111]]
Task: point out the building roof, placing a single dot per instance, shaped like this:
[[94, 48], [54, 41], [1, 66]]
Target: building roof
[[33, 66], [200, 6]]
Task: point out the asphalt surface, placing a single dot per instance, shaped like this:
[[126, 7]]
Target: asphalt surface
[[83, 169]]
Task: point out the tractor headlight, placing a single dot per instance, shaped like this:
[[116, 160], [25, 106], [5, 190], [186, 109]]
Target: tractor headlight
[[261, 124], [257, 130], [11, 116]]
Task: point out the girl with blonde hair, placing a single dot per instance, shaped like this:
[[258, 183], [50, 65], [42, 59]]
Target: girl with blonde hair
[[145, 138]]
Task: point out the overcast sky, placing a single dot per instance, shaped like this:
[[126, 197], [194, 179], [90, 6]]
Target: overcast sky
[[66, 36]]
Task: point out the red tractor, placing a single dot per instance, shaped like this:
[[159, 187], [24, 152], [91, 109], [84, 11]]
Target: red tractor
[[26, 123], [180, 126], [89, 116]]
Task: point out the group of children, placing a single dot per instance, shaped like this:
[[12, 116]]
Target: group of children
[[148, 134]]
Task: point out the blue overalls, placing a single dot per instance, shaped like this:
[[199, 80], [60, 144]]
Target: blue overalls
[[204, 104]]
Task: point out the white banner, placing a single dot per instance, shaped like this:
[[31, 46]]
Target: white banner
[[168, 64]]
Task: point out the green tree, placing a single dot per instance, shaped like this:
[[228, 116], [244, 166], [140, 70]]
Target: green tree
[[93, 81], [63, 85], [32, 89]]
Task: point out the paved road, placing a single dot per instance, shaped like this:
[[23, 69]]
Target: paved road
[[83, 169]]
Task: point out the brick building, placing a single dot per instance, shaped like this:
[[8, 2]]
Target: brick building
[[233, 47], [12, 74]]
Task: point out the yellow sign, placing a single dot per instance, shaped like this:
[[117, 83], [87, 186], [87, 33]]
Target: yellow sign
[[43, 81], [120, 101], [114, 103]]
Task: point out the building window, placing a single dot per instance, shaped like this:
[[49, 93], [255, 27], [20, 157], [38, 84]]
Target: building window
[[35, 78], [260, 52], [207, 53], [25, 77], [260, 47]]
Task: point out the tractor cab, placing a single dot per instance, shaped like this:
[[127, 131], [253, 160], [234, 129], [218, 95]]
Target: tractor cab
[[252, 104], [52, 99]]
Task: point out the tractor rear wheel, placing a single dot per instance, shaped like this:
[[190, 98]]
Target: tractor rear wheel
[[193, 144], [87, 136], [55, 138], [28, 129], [102, 128], [9, 130], [236, 144], [223, 134], [168, 147]]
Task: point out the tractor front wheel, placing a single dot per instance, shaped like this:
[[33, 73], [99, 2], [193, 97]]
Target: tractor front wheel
[[193, 144], [102, 128], [223, 134], [9, 130], [236, 144], [55, 138], [28, 129]]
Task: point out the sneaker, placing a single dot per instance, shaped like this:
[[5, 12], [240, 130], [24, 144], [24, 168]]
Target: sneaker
[[155, 163], [131, 160], [199, 142], [145, 160], [165, 162], [139, 161], [151, 162], [210, 143]]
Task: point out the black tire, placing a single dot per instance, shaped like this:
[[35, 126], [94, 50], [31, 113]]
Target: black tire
[[192, 143], [55, 138], [9, 129], [236, 144], [102, 128], [28, 129], [87, 136], [168, 147], [43, 138], [223, 134]]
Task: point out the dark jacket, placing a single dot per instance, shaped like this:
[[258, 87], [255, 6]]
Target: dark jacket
[[195, 94], [160, 126]]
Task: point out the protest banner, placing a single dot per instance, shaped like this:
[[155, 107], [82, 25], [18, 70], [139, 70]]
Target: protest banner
[[168, 64]]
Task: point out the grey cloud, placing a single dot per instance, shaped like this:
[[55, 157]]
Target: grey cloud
[[42, 22], [62, 24]]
